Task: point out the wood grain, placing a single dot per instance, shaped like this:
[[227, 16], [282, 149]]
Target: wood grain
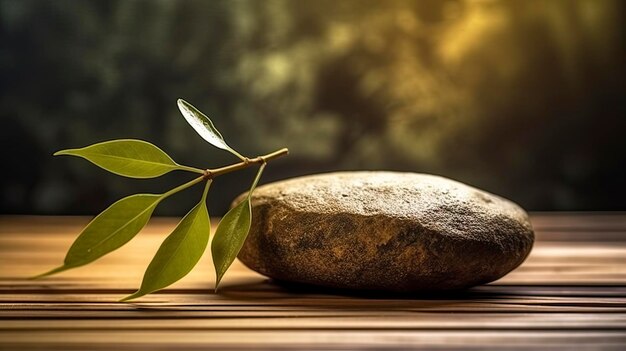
[[570, 293]]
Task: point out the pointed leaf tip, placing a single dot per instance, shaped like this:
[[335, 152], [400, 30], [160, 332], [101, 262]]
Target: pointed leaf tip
[[50, 272], [129, 297]]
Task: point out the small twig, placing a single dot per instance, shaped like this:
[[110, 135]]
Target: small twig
[[247, 162]]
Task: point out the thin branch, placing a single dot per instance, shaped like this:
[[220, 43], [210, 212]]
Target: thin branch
[[212, 173]]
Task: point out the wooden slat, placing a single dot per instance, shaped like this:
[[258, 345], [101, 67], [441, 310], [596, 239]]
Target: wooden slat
[[307, 320], [579, 221], [314, 339], [570, 293]]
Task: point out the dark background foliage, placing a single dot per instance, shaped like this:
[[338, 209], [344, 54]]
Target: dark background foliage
[[522, 98]]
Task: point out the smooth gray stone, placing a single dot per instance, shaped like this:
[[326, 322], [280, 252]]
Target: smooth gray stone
[[402, 232]]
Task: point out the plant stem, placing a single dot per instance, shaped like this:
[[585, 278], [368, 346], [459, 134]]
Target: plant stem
[[272, 155], [206, 189], [256, 179], [182, 187], [209, 174], [191, 169], [212, 173], [242, 157]]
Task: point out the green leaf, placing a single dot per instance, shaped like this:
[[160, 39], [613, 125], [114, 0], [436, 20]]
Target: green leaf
[[204, 126], [111, 229], [231, 233], [180, 251], [128, 157]]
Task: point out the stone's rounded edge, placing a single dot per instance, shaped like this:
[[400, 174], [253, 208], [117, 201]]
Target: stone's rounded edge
[[271, 255], [424, 259]]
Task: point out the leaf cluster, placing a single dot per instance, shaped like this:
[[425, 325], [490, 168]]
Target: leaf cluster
[[183, 248]]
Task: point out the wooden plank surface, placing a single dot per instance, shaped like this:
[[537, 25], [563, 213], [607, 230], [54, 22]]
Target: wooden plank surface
[[570, 293]]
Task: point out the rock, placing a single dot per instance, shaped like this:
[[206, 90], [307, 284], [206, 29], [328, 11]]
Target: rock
[[401, 232]]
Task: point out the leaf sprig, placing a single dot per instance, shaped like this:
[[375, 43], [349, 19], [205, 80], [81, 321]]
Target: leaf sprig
[[183, 248]]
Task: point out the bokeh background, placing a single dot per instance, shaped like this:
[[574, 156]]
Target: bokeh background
[[524, 98]]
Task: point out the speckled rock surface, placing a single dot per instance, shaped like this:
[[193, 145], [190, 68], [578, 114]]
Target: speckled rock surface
[[388, 231]]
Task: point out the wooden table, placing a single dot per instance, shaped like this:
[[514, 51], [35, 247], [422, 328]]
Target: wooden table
[[570, 293]]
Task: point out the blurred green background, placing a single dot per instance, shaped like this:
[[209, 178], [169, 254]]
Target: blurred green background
[[525, 98]]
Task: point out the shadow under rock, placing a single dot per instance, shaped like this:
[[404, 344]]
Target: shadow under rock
[[275, 289]]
